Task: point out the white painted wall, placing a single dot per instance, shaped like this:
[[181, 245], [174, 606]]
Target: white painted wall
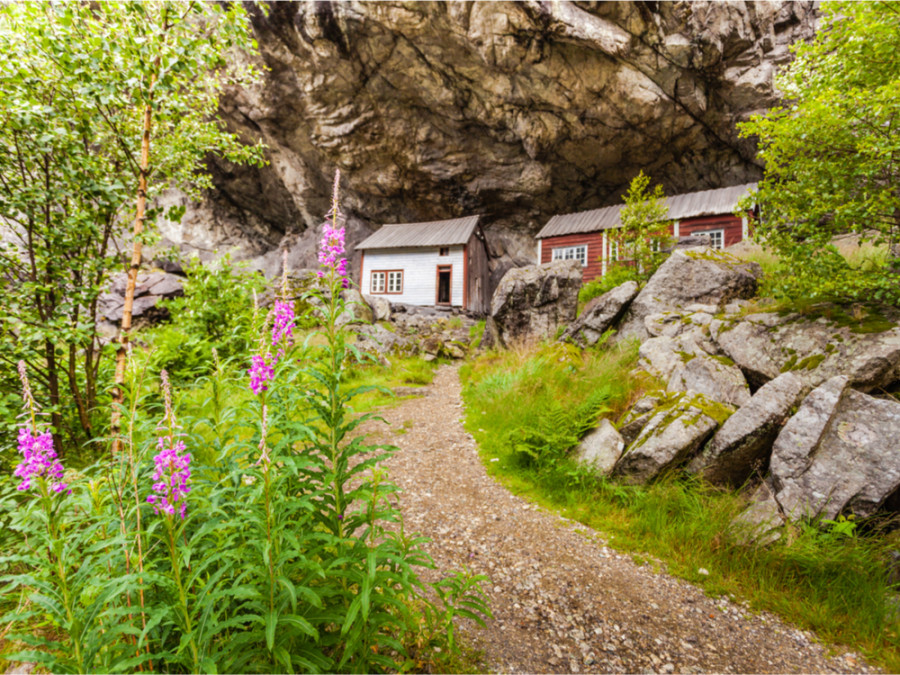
[[419, 267]]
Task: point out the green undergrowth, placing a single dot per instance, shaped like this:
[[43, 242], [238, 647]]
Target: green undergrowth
[[833, 580]]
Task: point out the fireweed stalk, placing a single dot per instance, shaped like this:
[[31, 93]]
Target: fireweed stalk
[[334, 272], [170, 498], [41, 471]]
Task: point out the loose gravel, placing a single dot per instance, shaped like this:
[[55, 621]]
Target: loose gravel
[[562, 600]]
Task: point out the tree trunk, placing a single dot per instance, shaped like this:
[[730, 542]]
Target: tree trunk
[[122, 353]]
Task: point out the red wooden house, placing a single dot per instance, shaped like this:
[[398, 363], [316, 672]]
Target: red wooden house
[[587, 236]]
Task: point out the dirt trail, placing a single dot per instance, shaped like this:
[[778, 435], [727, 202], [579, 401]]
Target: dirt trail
[[563, 601]]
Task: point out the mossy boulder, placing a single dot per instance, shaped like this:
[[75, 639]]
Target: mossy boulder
[[741, 447], [690, 276], [675, 432], [817, 346]]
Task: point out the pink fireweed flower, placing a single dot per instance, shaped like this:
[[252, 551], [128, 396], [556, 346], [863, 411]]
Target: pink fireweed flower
[[282, 326], [39, 457], [172, 467], [261, 371], [171, 478], [39, 461], [332, 246]]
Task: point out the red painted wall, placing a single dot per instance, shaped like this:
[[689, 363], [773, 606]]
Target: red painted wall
[[730, 223], [594, 241]]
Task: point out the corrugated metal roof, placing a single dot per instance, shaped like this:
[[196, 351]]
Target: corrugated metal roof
[[689, 205], [707, 202], [586, 221], [410, 235]]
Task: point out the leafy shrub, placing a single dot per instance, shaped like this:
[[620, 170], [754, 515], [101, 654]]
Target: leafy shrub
[[216, 311], [278, 548]]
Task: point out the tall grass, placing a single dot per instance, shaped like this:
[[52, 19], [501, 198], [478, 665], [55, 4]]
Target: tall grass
[[833, 580]]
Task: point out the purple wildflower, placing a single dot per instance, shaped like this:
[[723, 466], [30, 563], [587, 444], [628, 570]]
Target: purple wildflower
[[282, 326], [40, 461], [332, 246], [36, 448], [171, 477], [172, 467], [261, 372]]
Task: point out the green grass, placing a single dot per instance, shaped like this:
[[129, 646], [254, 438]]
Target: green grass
[[411, 371], [819, 579]]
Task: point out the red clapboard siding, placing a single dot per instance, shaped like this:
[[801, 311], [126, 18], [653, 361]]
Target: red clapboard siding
[[730, 223], [594, 241]]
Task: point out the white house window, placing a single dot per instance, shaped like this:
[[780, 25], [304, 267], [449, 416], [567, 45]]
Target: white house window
[[377, 285], [716, 238], [613, 250], [395, 282], [578, 253], [386, 281]]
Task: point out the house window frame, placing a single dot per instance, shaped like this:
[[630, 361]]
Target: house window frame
[[614, 250], [719, 231], [386, 277], [560, 253]]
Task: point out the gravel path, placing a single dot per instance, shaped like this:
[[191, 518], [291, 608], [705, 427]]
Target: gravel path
[[562, 600]]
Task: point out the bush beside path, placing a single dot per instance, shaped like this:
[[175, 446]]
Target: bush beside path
[[562, 600]]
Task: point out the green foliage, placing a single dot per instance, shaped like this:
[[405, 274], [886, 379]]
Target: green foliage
[[292, 558], [644, 231], [615, 276], [830, 156], [216, 311], [77, 78], [532, 407], [834, 580]]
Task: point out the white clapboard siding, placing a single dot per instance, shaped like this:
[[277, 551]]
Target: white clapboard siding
[[419, 267]]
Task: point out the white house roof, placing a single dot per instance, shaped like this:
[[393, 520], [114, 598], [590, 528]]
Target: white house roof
[[411, 235], [689, 205]]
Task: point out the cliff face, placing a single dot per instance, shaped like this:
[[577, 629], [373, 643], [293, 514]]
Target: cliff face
[[515, 110]]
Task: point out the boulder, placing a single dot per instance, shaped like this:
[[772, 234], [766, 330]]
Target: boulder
[[684, 365], [381, 307], [378, 340], [673, 324], [600, 314], [634, 421], [356, 309], [715, 376], [837, 455], [798, 440], [149, 289], [826, 343], [672, 435], [852, 468], [532, 302], [743, 444], [662, 356], [689, 276], [600, 448]]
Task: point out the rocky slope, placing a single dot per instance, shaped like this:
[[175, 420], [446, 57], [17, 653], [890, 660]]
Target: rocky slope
[[517, 110]]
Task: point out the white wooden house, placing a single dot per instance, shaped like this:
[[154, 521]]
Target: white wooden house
[[441, 263]]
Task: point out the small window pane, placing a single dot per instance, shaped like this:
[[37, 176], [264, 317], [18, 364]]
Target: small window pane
[[395, 282], [377, 282], [578, 253]]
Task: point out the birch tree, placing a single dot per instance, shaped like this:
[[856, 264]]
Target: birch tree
[[102, 105]]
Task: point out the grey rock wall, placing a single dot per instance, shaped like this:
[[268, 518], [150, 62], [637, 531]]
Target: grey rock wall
[[515, 110]]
